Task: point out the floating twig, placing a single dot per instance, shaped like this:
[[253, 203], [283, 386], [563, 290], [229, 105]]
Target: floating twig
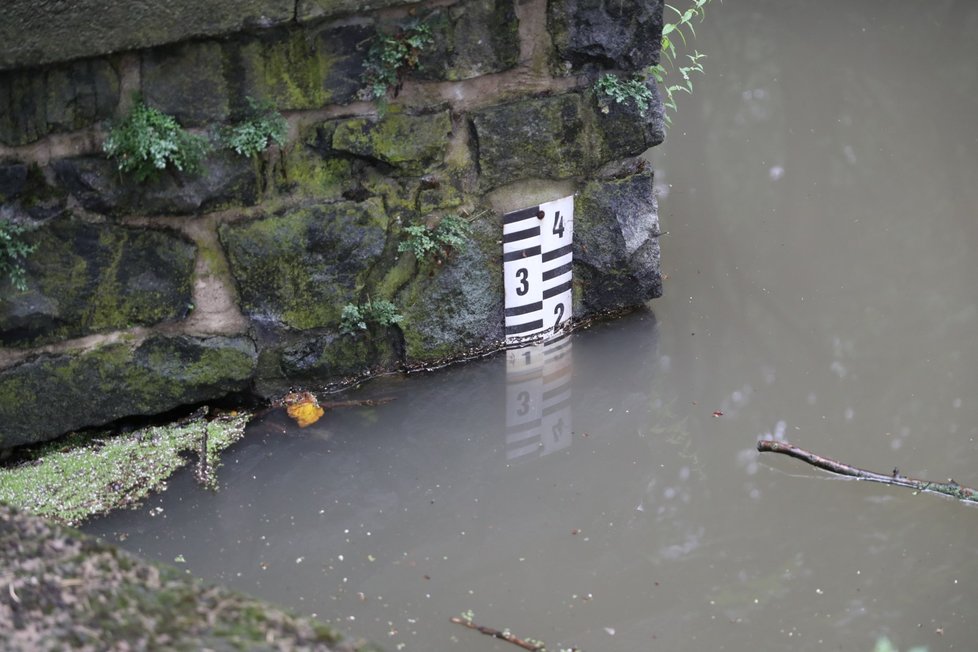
[[532, 645], [949, 488]]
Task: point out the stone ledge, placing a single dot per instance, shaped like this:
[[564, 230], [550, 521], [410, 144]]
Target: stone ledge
[[36, 33]]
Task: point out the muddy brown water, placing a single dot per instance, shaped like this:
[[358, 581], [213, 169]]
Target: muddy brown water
[[820, 192]]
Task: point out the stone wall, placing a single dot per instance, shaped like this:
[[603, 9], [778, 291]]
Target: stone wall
[[145, 296]]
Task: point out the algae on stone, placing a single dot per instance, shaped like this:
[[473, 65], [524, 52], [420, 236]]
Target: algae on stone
[[471, 38], [408, 143], [65, 590], [88, 278], [305, 68], [118, 380], [85, 475], [458, 305], [538, 138], [298, 269]]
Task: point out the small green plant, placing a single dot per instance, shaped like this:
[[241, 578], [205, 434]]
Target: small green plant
[[392, 55], [451, 234], [670, 30], [13, 252], [381, 312], [610, 88], [147, 141], [261, 126]]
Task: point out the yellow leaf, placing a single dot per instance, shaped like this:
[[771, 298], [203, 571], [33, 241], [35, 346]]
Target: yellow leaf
[[305, 412]]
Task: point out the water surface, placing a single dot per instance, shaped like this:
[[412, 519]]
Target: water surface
[[819, 192]]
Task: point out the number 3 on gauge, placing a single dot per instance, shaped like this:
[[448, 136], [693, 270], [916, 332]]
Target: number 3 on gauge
[[523, 274]]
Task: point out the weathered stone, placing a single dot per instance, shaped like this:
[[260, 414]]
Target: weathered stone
[[304, 68], [13, 180], [408, 143], [625, 130], [187, 81], [88, 278], [616, 244], [618, 265], [299, 269], [27, 196], [35, 103], [601, 34], [457, 305], [35, 33], [542, 138], [331, 355], [225, 179], [471, 38], [49, 395]]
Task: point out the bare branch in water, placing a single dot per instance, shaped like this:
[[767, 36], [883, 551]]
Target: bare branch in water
[[949, 488]]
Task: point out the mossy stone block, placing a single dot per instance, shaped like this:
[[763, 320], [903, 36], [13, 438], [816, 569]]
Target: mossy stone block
[[471, 38], [88, 278], [458, 305], [410, 144], [623, 129], [602, 34], [616, 244], [35, 103], [225, 179], [332, 355], [300, 68], [540, 137], [187, 81], [49, 395], [297, 270]]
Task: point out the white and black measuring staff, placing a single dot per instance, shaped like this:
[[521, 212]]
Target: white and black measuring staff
[[537, 265]]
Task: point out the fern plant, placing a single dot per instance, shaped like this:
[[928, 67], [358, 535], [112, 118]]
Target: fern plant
[[451, 234], [355, 318], [148, 141], [612, 89], [390, 56], [13, 252], [262, 126]]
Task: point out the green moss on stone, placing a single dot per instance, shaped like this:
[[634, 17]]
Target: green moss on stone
[[118, 380], [89, 278], [540, 137], [85, 475], [299, 268], [409, 143]]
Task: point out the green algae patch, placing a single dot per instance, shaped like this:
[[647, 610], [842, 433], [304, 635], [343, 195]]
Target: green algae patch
[[64, 590], [85, 475], [118, 380], [409, 143], [545, 137], [297, 270], [88, 278]]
